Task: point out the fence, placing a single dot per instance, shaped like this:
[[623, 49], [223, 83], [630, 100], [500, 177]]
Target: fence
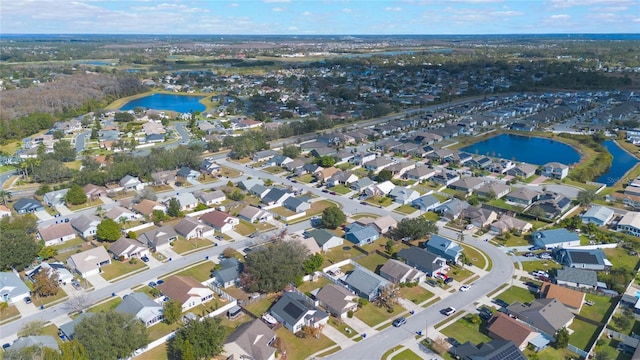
[[140, 227]]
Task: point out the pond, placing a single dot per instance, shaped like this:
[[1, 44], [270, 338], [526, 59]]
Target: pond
[[622, 162], [178, 103], [532, 150]]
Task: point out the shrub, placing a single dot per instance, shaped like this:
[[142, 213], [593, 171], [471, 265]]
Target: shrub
[[349, 313]]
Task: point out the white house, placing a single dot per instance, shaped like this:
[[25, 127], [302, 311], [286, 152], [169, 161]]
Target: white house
[[219, 220], [86, 225], [555, 170], [325, 239], [88, 263], [253, 214], [186, 290], [12, 289], [190, 228], [56, 234], [131, 183]]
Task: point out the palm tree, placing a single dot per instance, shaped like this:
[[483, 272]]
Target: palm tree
[[5, 195]]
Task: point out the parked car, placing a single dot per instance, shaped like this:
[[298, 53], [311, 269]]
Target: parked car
[[453, 341], [465, 288], [431, 282], [501, 302], [545, 256], [399, 321], [5, 346], [325, 191], [529, 254], [153, 284], [540, 273], [145, 259], [363, 203], [76, 285], [448, 280], [485, 313], [448, 311], [27, 300], [159, 282]]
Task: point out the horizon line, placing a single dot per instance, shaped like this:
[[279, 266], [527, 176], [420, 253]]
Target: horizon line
[[408, 34]]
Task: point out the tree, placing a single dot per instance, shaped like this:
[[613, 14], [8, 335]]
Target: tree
[[108, 230], [198, 340], [78, 303], [76, 195], [47, 252], [291, 151], [385, 175], [562, 338], [332, 217], [390, 247], [111, 335], [4, 196], [18, 249], [414, 228], [272, 267], [388, 297], [313, 263], [172, 311], [586, 197], [173, 208], [146, 193], [33, 328], [158, 215], [236, 195], [73, 350], [123, 117], [325, 161], [537, 212], [312, 331], [45, 284]]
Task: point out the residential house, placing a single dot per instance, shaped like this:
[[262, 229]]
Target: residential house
[[126, 248], [12, 288], [343, 156], [56, 234], [402, 195], [361, 235], [190, 228], [362, 184], [508, 223], [467, 185], [493, 190], [160, 238], [501, 166], [443, 247], [452, 208], [278, 160], [131, 183], [400, 168], [259, 190], [293, 165], [86, 225], [186, 200], [186, 290], [142, 307], [26, 206], [365, 283], [187, 174], [154, 138], [384, 224], [361, 158], [398, 272], [426, 203], [121, 214], [629, 223], [68, 330], [325, 239], [590, 259], [445, 177], [263, 155], [480, 217], [482, 162], [94, 191], [323, 151], [337, 300], [342, 178], [311, 145], [577, 278], [308, 169], [209, 166], [276, 197], [254, 215], [88, 263], [570, 298], [296, 205], [219, 220], [4, 211], [57, 268], [324, 175], [211, 198], [377, 164], [228, 273], [598, 214], [294, 310], [546, 315], [555, 170], [492, 350], [55, 198], [554, 238], [553, 204], [251, 340], [522, 196], [504, 327], [310, 244], [381, 189], [419, 173], [523, 170], [37, 341], [167, 177], [147, 207]]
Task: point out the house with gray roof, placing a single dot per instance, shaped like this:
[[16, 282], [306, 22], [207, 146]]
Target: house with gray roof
[[249, 183], [251, 340], [555, 170], [263, 155], [209, 166], [296, 205], [142, 307], [426, 203], [325, 239], [452, 208], [423, 260], [188, 174], [467, 185], [55, 198], [523, 170], [128, 248], [129, 182], [337, 300], [211, 198], [293, 165], [362, 184], [295, 310], [160, 238], [278, 160], [545, 315], [254, 215], [26, 206], [55, 268], [402, 195], [41, 341], [12, 288], [365, 283], [598, 214], [361, 235], [259, 190], [68, 330], [578, 278], [276, 196], [554, 238], [186, 199], [89, 262], [446, 248], [522, 196], [56, 234], [191, 228], [228, 273], [398, 272], [590, 259], [86, 225], [493, 190], [419, 173]]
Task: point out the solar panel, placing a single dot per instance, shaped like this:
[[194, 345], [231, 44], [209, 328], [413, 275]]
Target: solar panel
[[583, 258], [293, 310]]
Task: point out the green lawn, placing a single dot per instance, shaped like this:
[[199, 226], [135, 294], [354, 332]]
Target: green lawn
[[312, 285], [373, 315], [513, 240], [341, 326], [609, 348], [373, 261], [405, 209], [261, 306], [464, 330], [199, 272], [407, 355], [8, 313], [161, 329], [380, 201], [515, 293], [301, 348], [107, 305], [340, 253], [416, 294], [459, 274], [229, 172], [475, 256], [599, 310], [120, 268], [341, 189], [620, 257], [282, 211], [550, 353], [306, 178], [545, 265], [583, 335], [38, 301], [273, 170], [244, 228], [71, 243], [157, 353], [431, 216], [183, 245]]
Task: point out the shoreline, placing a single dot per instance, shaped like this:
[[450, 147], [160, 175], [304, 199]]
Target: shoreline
[[117, 104]]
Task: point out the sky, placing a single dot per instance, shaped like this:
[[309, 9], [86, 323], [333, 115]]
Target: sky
[[319, 17]]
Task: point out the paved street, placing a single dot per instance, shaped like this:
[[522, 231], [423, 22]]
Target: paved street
[[80, 140]]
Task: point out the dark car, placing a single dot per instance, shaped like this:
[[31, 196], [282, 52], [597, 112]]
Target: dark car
[[145, 259], [76, 285], [399, 321], [152, 284], [485, 313], [27, 300], [363, 203], [529, 254], [448, 280], [5, 346], [159, 282], [531, 284], [325, 190], [501, 302], [453, 341]]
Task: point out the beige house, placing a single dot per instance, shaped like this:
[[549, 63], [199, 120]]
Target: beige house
[[251, 340], [88, 263], [186, 290], [56, 234]]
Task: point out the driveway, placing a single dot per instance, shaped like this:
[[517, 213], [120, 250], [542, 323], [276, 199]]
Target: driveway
[[63, 210], [170, 254], [98, 281], [359, 326], [26, 309], [42, 215]]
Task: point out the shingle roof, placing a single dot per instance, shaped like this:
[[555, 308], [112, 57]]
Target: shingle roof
[[321, 236], [177, 287], [69, 329], [230, 269], [135, 302], [84, 222], [364, 281], [56, 231], [507, 328], [568, 297], [335, 296], [580, 276], [40, 341], [548, 315], [554, 236], [420, 257], [253, 338]]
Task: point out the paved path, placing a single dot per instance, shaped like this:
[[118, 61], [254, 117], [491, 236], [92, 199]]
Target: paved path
[[336, 336]]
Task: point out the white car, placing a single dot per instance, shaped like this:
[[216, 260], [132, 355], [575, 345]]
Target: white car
[[465, 288]]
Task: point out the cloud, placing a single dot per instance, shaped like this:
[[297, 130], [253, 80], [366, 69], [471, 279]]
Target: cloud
[[636, 20], [292, 28], [507, 13], [307, 13], [278, 9], [560, 16], [346, 11], [563, 4], [393, 8], [234, 4]]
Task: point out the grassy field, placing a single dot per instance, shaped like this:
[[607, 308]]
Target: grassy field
[[199, 272], [583, 335], [372, 262], [261, 306], [340, 253], [157, 353], [8, 313], [183, 245], [312, 285], [341, 189], [107, 305], [620, 257], [380, 201], [244, 228], [599, 310], [545, 265], [475, 256], [464, 330], [405, 209], [120, 268], [406, 355], [416, 294], [301, 348], [373, 315], [515, 293]]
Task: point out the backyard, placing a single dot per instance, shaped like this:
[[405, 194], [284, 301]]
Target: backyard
[[120, 268], [599, 311], [620, 257], [340, 253], [261, 306], [301, 348], [583, 335], [373, 262], [545, 265]]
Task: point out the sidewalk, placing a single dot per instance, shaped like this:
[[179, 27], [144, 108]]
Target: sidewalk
[[337, 337], [359, 326]]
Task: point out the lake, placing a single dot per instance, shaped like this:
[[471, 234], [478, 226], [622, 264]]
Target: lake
[[532, 150], [178, 103], [622, 162]]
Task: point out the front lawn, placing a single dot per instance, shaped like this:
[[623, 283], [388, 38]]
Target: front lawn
[[459, 273], [600, 308], [199, 272], [282, 211], [416, 294], [405, 209], [407, 354], [244, 228], [464, 330], [341, 189], [341, 326], [39, 301], [120, 268], [475, 257], [372, 315], [545, 265], [373, 262], [9, 312], [87, 204], [183, 245], [157, 353], [301, 348], [229, 172], [306, 178], [273, 170], [583, 335], [516, 293], [431, 216], [511, 240], [107, 305], [380, 201]]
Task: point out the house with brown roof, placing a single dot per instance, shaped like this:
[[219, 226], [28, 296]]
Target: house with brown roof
[[190, 228], [56, 234], [572, 299], [128, 248], [251, 340], [480, 217], [337, 300], [4, 211], [120, 213], [508, 223], [221, 221], [384, 224], [186, 290], [146, 207], [88, 263], [94, 191], [325, 174], [493, 190], [504, 327], [166, 177], [398, 272]]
